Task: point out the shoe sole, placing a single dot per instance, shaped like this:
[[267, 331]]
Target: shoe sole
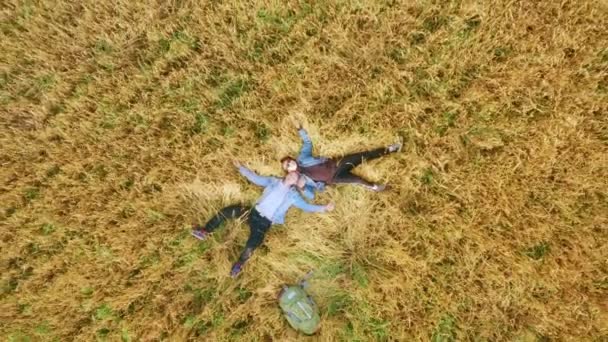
[[202, 238]]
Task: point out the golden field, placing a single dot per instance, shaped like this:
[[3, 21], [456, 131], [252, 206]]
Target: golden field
[[119, 121]]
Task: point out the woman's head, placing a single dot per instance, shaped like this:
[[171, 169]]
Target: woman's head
[[289, 164]]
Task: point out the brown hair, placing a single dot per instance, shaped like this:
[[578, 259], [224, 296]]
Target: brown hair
[[284, 159]]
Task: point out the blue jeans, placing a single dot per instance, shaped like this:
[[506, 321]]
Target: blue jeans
[[258, 226]]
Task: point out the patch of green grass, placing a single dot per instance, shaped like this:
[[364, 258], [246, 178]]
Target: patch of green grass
[[445, 331], [31, 194], [239, 327], [348, 333], [192, 254], [448, 120], [201, 327], [422, 86], [398, 55], [104, 312], [100, 171], [154, 216], [228, 131], [42, 329], [218, 319], [179, 238], [200, 298], [164, 45], [103, 46], [47, 228], [184, 37], [189, 321], [417, 38], [427, 176], [186, 259], [137, 120], [538, 251], [359, 274], [280, 21], [127, 211], [379, 329], [262, 132], [244, 294], [18, 336], [103, 333], [87, 291], [232, 92], [110, 116], [24, 309], [601, 284], [32, 248], [127, 184], [331, 269], [45, 82], [53, 171], [201, 121], [340, 302], [434, 23], [470, 25]]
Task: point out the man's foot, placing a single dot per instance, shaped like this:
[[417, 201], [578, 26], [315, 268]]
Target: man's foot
[[200, 233], [394, 147], [236, 269], [377, 187]]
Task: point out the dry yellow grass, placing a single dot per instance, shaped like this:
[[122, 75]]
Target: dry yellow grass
[[118, 122]]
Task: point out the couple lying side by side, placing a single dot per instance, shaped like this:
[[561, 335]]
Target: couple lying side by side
[[305, 175]]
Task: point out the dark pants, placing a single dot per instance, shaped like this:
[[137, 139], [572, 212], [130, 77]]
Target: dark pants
[[258, 226], [347, 163]]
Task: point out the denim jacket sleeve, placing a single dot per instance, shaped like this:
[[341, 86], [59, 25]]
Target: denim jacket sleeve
[[306, 150], [255, 178], [308, 191], [299, 202]]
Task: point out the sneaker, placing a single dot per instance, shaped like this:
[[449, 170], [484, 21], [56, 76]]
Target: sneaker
[[200, 233], [236, 269], [394, 147], [378, 187]]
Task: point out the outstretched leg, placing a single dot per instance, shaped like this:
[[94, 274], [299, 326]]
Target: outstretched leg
[[229, 212], [349, 178], [349, 162], [258, 225]]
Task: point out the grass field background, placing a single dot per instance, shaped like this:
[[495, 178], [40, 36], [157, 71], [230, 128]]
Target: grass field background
[[119, 121]]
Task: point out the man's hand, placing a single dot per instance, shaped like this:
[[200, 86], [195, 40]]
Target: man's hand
[[297, 124], [330, 207], [236, 163]]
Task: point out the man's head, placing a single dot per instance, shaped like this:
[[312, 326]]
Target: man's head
[[289, 164], [291, 178]]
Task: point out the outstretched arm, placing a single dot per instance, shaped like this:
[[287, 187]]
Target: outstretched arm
[[311, 208], [306, 150], [252, 176]]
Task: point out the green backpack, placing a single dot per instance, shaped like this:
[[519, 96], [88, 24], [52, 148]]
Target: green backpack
[[300, 310]]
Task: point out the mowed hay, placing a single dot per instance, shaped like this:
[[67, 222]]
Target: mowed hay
[[119, 122]]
